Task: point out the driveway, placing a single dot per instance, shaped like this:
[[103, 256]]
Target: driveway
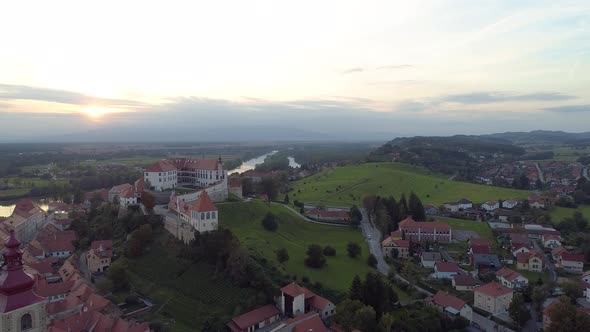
[[484, 324]]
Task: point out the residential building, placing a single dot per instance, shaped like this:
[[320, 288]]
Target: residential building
[[460, 205], [255, 319], [490, 205], [557, 252], [586, 277], [531, 261], [202, 214], [464, 282], [485, 262], [170, 173], [428, 259], [448, 303], [493, 297], [420, 231], [511, 279], [296, 300], [402, 247], [26, 220], [431, 210], [480, 242], [571, 263], [99, 256], [123, 194], [52, 291], [510, 203], [446, 270], [21, 308], [551, 241], [101, 195], [520, 248]]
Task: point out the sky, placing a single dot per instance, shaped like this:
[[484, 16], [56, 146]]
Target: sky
[[333, 68]]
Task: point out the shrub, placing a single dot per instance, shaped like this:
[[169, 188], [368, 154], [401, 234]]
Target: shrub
[[305, 279], [269, 222], [372, 261], [354, 249], [315, 257], [282, 255], [329, 251]]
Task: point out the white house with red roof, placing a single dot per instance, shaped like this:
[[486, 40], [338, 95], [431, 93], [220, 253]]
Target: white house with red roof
[[420, 231], [389, 244], [551, 241], [572, 263], [493, 297], [448, 303], [201, 214], [510, 203], [170, 173], [296, 300], [124, 194], [446, 270], [511, 278], [518, 248], [531, 261], [490, 205]]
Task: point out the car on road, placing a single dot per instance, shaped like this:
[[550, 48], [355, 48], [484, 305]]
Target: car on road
[[369, 237]]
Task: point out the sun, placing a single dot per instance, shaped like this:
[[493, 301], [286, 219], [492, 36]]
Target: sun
[[94, 112]]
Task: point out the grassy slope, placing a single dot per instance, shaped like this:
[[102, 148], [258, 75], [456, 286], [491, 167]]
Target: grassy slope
[[558, 213], [294, 234], [391, 179], [190, 297]]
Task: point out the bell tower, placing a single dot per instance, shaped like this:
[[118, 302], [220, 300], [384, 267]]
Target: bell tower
[[20, 308]]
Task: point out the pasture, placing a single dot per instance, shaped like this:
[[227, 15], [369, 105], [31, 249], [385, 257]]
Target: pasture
[[345, 186], [558, 213]]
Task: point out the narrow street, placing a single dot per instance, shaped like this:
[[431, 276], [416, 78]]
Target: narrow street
[[540, 171]]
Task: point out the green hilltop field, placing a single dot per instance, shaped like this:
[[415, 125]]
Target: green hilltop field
[[345, 186]]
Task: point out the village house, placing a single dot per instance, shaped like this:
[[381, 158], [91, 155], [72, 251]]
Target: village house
[[536, 202], [460, 205], [493, 297], [520, 248], [446, 270], [483, 262], [551, 241], [124, 194], [464, 282], [53, 291], [330, 215], [402, 247], [202, 214], [510, 203], [255, 319], [556, 253], [511, 279], [419, 231], [531, 261], [571, 263], [26, 220], [170, 173], [428, 259], [431, 210], [101, 195], [450, 304], [504, 215], [99, 256], [518, 238], [490, 205], [297, 300]]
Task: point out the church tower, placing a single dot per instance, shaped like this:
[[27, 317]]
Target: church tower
[[20, 308]]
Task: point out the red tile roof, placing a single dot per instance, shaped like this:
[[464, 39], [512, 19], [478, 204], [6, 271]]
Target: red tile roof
[[507, 274], [566, 256], [161, 166], [45, 289], [409, 223], [481, 249], [558, 251], [203, 203], [464, 280], [446, 300], [313, 324], [190, 163], [447, 267], [315, 301], [255, 316], [480, 242], [493, 289]]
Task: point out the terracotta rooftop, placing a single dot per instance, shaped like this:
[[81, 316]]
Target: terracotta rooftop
[[493, 289], [161, 166], [410, 223], [203, 203], [255, 316], [566, 256], [508, 274], [313, 324], [464, 280], [446, 300], [447, 267]]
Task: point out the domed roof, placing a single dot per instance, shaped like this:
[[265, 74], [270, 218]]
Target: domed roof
[[15, 284]]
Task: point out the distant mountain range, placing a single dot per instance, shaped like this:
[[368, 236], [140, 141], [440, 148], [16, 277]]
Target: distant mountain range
[[542, 137]]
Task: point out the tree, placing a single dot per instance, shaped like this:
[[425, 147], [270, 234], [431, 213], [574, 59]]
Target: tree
[[403, 207], [315, 257], [572, 289], [370, 203], [372, 261], [104, 286], [416, 209], [518, 311], [148, 200], [134, 248], [345, 314], [286, 199], [565, 318], [354, 249], [329, 251], [386, 323], [118, 274], [270, 187], [269, 222], [282, 255], [378, 294], [355, 216], [356, 289]]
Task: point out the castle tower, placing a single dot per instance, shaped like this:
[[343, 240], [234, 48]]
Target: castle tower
[[20, 308]]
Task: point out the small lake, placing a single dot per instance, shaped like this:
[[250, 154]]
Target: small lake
[[251, 164]]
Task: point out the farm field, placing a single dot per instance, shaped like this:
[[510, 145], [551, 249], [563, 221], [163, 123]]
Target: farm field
[[23, 185], [480, 227], [345, 186], [558, 213], [570, 153], [143, 161], [294, 234], [187, 293]]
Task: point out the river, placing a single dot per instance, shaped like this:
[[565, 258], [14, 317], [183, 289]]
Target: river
[[251, 164]]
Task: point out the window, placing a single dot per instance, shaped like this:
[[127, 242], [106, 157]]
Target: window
[[26, 322], [213, 214], [208, 215]]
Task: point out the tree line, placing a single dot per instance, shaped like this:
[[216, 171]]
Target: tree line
[[387, 212]]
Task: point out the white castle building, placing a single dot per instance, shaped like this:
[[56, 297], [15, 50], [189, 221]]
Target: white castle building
[[201, 214], [170, 173]]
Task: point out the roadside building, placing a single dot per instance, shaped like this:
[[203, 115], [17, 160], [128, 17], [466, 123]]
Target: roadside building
[[519, 248], [402, 247], [450, 304], [510, 203], [446, 270], [557, 252], [99, 256], [531, 261], [571, 263], [493, 297], [485, 262], [419, 231], [460, 205], [551, 241], [296, 300], [511, 278], [464, 282], [490, 205], [255, 319]]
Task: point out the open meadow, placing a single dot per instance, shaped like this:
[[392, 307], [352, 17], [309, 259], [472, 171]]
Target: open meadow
[[558, 213], [345, 186]]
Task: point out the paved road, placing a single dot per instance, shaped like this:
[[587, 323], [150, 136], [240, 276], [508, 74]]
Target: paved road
[[484, 324], [540, 172], [585, 173], [373, 237]]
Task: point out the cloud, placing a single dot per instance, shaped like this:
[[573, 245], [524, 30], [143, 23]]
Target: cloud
[[353, 70], [23, 92], [395, 67], [498, 97], [569, 109]]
